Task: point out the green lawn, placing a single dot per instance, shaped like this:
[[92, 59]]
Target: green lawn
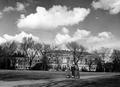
[[17, 78], [113, 81], [16, 75]]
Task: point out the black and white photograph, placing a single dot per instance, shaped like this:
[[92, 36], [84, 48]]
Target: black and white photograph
[[59, 43]]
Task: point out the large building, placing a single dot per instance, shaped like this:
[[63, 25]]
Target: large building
[[58, 59], [22, 63], [64, 58]]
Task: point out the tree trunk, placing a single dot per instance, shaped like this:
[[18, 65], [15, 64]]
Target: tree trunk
[[30, 64]]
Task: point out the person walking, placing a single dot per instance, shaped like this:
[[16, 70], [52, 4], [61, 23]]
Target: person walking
[[77, 74], [73, 70], [68, 72]]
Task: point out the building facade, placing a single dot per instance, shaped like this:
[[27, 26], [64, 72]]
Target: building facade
[[58, 60]]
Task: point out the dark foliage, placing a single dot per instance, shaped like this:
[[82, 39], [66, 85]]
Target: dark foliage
[[4, 63], [116, 60]]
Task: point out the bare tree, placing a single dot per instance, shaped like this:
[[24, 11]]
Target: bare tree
[[9, 49], [77, 50], [57, 58], [28, 48], [116, 60], [27, 43], [104, 54], [101, 56], [90, 62], [98, 61], [44, 49], [32, 53]]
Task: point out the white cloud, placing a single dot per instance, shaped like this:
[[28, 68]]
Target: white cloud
[[78, 35], [7, 9], [106, 35], [19, 7], [2, 40], [1, 14], [65, 30], [113, 6], [84, 37], [17, 37], [53, 17], [62, 38], [101, 37]]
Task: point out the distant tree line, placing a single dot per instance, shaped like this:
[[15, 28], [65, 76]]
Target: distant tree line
[[105, 65], [29, 48]]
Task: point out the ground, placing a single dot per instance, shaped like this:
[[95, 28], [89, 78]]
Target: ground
[[15, 78]]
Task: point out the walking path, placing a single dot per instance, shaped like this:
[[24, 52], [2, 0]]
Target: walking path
[[28, 82]]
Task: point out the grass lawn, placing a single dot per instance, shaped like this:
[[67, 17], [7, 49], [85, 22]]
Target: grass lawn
[[16, 75], [113, 81], [17, 78]]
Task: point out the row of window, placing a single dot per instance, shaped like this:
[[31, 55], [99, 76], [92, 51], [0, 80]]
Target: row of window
[[22, 67]]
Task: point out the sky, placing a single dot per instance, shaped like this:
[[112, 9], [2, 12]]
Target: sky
[[92, 23]]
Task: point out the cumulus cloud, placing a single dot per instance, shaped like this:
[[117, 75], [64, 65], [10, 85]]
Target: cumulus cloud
[[1, 14], [62, 38], [7, 9], [19, 7], [101, 37], [78, 35], [53, 17], [105, 34], [17, 37], [86, 38], [113, 6], [2, 40], [65, 30]]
